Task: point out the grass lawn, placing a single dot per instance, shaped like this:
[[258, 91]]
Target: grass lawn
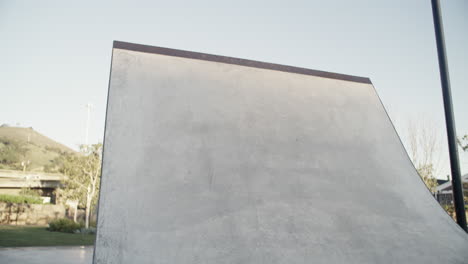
[[35, 236]]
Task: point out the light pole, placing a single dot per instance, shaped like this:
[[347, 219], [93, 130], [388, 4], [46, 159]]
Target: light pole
[[449, 117]]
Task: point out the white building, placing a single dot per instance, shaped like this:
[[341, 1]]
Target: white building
[[444, 193]]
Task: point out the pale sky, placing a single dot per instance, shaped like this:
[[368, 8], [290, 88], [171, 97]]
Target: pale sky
[[55, 55]]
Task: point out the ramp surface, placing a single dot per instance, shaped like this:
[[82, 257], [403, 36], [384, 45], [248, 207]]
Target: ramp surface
[[210, 159]]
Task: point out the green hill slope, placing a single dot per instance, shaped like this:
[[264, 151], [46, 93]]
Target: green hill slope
[[18, 145]]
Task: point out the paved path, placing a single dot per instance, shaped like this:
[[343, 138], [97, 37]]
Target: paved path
[[50, 255]]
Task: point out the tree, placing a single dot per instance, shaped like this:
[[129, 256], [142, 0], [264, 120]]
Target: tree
[[12, 153], [83, 173], [424, 144], [463, 142]]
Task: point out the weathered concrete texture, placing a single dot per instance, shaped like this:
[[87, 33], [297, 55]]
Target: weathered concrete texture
[[210, 162], [30, 214], [49, 255]]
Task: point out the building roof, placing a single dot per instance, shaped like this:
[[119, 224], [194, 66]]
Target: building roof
[[447, 185]]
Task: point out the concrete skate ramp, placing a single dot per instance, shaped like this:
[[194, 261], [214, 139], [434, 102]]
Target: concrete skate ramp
[[214, 160]]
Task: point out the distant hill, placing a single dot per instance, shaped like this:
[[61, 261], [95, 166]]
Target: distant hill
[[19, 144]]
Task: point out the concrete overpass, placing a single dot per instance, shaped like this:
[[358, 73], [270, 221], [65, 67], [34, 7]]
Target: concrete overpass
[[11, 182]]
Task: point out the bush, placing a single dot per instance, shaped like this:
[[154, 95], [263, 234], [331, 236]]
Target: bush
[[63, 225], [30, 192], [92, 223], [20, 199], [91, 230]]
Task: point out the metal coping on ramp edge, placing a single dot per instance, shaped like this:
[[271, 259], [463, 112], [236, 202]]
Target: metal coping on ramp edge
[[236, 61]]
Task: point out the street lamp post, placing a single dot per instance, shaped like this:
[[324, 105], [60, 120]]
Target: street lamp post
[[449, 117]]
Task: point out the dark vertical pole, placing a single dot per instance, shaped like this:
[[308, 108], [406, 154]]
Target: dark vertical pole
[[449, 118]]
